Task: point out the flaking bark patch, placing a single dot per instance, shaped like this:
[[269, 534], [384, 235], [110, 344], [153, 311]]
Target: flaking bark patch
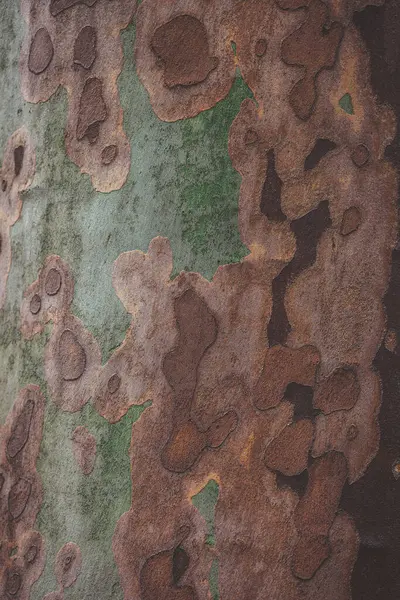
[[262, 379], [77, 44]]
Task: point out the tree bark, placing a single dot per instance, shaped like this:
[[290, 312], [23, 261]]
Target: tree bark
[[199, 277]]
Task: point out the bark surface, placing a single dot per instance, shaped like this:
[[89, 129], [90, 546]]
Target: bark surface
[[199, 285]]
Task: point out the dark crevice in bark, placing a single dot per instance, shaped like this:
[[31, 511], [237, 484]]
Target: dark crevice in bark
[[18, 159], [302, 398], [297, 483], [308, 231], [270, 204], [180, 563], [374, 500], [322, 148]]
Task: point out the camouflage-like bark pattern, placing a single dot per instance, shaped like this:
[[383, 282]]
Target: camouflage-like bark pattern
[[16, 174], [265, 463]]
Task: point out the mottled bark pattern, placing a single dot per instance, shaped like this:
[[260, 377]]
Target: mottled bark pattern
[[67, 568], [16, 174], [76, 44], [21, 547], [266, 380]]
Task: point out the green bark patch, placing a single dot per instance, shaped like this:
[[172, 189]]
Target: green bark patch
[[205, 502], [213, 580], [84, 508], [346, 104]]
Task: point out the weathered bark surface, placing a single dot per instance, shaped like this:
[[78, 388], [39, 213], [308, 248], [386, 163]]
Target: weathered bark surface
[[205, 332]]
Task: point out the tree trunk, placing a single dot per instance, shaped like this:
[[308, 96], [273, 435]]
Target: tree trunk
[[199, 277]]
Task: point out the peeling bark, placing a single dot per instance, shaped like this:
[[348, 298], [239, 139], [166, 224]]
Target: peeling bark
[[264, 384]]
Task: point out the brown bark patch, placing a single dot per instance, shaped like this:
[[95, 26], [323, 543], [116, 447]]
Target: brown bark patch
[[21, 548], [183, 55], [18, 497], [109, 154], [41, 51], [182, 47], [360, 155], [316, 511], [20, 430], [283, 366], [197, 331], [351, 220], [16, 174], [72, 360], [157, 579], [53, 282], [85, 47], [48, 298], [288, 453], [72, 356], [92, 110], [68, 565], [312, 46], [339, 391]]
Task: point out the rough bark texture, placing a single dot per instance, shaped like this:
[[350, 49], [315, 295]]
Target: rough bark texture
[[199, 273]]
